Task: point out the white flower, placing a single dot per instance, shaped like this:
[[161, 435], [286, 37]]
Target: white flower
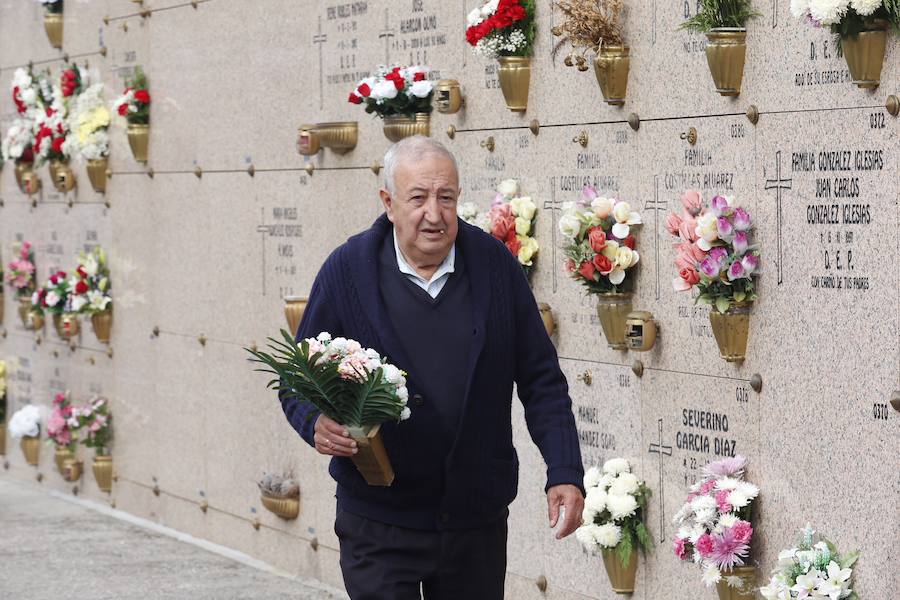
[[777, 589], [865, 7], [78, 302], [707, 230], [508, 188], [799, 8], [739, 498], [490, 8], [384, 90], [592, 478], [608, 535], [569, 225], [807, 582], [703, 503], [585, 535], [705, 516], [605, 481], [52, 298], [468, 211], [588, 515], [828, 12], [711, 576], [403, 395], [595, 500], [837, 582], [624, 218], [25, 422], [523, 207], [786, 558], [474, 17], [404, 414], [614, 466], [727, 483], [621, 505], [421, 89], [390, 373], [625, 483], [728, 520]]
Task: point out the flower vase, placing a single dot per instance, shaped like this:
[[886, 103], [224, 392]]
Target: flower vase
[[726, 50], [72, 469], [53, 25], [29, 181], [397, 127], [613, 309], [2, 306], [293, 311], [621, 576], [25, 310], [286, 508], [747, 588], [57, 325], [103, 474], [35, 320], [61, 175], [371, 458], [31, 448], [21, 169], [2, 439], [62, 454], [139, 140], [96, 170], [515, 79], [731, 330], [865, 54], [102, 324], [611, 67]]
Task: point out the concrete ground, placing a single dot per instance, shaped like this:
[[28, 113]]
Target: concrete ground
[[55, 548]]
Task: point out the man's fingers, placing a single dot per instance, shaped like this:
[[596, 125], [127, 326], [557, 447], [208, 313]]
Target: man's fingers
[[336, 446], [553, 506], [336, 430], [570, 523]]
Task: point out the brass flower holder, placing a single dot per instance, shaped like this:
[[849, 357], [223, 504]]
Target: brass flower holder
[[2, 439], [747, 589], [397, 127], [31, 182], [865, 54], [640, 330], [731, 330], [371, 458], [611, 67], [294, 306], [72, 469], [102, 324], [31, 448], [308, 142], [53, 25], [139, 140], [515, 79], [21, 169], [726, 50], [286, 508], [103, 472], [62, 454], [613, 309], [96, 170], [340, 137], [35, 320], [448, 97], [621, 576], [69, 325], [547, 317], [25, 310], [61, 175]]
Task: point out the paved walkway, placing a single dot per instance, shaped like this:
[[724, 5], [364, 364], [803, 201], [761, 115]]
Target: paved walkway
[[55, 549]]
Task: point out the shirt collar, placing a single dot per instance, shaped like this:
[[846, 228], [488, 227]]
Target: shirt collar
[[445, 268]]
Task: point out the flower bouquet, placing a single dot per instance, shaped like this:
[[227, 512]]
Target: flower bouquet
[[860, 28], [25, 425], [725, 24], [18, 143], [20, 276], [600, 251], [51, 133], [2, 406], [134, 105], [62, 425], [596, 26], [93, 423], [399, 95], [813, 570], [53, 21], [350, 384], [714, 255], [613, 511], [88, 121], [505, 29], [91, 291], [715, 531]]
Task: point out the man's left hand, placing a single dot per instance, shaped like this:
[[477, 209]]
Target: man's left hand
[[569, 497]]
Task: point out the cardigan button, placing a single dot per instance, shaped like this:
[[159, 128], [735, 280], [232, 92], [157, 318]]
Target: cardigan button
[[418, 400]]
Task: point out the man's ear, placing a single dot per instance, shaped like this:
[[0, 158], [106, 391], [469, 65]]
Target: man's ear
[[388, 202]]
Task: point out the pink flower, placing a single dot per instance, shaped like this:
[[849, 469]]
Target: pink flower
[[750, 262], [722, 502], [739, 243], [709, 267], [720, 206], [707, 486], [728, 550], [56, 423], [741, 219], [679, 546], [673, 223], [705, 545], [736, 271], [742, 531], [64, 438], [688, 229], [691, 202], [588, 194], [727, 467]]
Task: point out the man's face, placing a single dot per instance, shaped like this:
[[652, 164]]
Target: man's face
[[423, 208]]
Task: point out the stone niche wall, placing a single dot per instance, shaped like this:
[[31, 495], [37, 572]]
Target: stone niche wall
[[213, 256]]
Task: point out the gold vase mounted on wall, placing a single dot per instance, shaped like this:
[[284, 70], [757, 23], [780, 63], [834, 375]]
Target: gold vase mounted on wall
[[2, 439], [865, 54], [611, 67], [515, 79], [62, 454], [102, 324], [747, 589], [24, 310], [31, 448], [339, 137], [139, 140], [731, 330], [293, 311], [61, 175], [371, 458], [103, 472], [397, 127], [21, 169], [68, 324], [613, 309], [72, 469], [96, 170], [30, 181], [286, 508], [726, 50], [35, 320], [2, 305], [621, 576], [57, 324], [53, 25]]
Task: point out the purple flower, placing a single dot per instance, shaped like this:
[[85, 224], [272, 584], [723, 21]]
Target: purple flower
[[709, 267], [750, 262], [720, 206], [498, 200], [718, 254], [739, 243], [723, 225], [741, 219], [588, 194], [735, 271], [728, 549], [726, 467]]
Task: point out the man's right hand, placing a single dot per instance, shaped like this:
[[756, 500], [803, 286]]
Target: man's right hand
[[332, 438]]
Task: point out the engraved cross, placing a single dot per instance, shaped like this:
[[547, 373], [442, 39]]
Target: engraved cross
[[778, 184], [656, 205], [319, 39], [662, 450], [554, 206], [386, 35]]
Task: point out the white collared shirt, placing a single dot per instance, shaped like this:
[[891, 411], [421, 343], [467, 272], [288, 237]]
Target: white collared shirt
[[431, 286]]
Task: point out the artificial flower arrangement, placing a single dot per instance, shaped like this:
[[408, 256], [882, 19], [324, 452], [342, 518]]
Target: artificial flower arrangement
[[20, 277], [715, 525], [599, 246], [596, 26], [280, 494], [399, 95], [505, 30], [134, 106], [25, 425], [814, 569], [51, 129], [95, 431], [18, 142], [510, 220], [715, 256], [91, 291], [725, 24], [89, 123], [56, 297], [613, 520], [860, 28], [62, 430], [352, 385]]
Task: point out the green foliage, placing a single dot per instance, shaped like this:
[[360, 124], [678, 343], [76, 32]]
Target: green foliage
[[54, 8], [528, 28], [720, 293], [354, 404], [853, 23], [720, 13]]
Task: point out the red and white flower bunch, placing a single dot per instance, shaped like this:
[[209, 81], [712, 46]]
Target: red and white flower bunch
[[599, 242], [20, 272], [502, 28], [134, 103], [714, 524], [395, 91], [714, 253], [62, 422], [55, 296], [18, 143], [90, 283]]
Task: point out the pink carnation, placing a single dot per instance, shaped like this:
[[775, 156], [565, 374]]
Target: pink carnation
[[742, 532], [722, 502], [707, 486], [705, 545], [679, 547]]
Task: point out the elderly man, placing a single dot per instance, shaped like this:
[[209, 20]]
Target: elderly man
[[450, 305]]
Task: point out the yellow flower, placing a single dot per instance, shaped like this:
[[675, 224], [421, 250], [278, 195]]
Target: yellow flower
[[523, 226], [529, 248]]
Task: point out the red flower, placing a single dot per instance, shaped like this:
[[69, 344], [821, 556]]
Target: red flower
[[596, 238], [419, 76], [364, 90], [61, 274], [690, 275], [81, 287], [629, 241], [354, 99], [602, 264], [513, 243], [142, 96], [42, 293], [20, 106], [81, 272], [57, 144], [123, 109], [587, 270]]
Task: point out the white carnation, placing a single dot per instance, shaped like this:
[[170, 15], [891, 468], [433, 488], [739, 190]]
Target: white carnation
[[711, 576], [705, 516], [614, 466], [25, 422], [585, 535], [404, 414], [625, 483], [621, 505], [468, 211], [605, 481], [608, 535], [799, 8], [421, 89], [588, 515], [828, 12], [595, 500], [592, 478], [865, 7], [384, 90]]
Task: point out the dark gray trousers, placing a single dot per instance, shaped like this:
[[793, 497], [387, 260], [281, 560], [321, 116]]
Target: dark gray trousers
[[385, 562]]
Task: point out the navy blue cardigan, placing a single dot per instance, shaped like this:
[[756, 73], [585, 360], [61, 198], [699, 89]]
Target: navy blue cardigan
[[509, 345]]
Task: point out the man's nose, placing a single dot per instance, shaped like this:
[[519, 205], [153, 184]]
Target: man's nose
[[432, 210]]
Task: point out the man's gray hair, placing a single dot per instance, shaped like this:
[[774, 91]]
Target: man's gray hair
[[416, 146]]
